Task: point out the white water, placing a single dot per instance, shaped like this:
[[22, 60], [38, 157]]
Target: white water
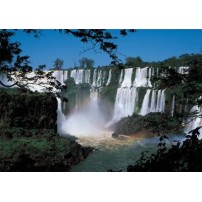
[[99, 79], [121, 77], [65, 75], [87, 76], [77, 75], [125, 98], [145, 105], [94, 78], [125, 103], [127, 95], [127, 78], [183, 70], [109, 77], [154, 101], [142, 77]]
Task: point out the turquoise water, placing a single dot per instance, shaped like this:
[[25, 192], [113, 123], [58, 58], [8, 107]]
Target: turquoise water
[[112, 153]]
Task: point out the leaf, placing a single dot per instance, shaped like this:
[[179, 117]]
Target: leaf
[[123, 32], [159, 144]]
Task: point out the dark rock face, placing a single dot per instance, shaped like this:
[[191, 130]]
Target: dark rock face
[[115, 135]]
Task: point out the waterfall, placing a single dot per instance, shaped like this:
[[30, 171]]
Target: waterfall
[[80, 75], [99, 78], [121, 77], [163, 101], [60, 118], [145, 105], [142, 77], [103, 76], [94, 77], [125, 103], [183, 70], [87, 76], [77, 75], [173, 106], [159, 97], [125, 98], [154, 101], [109, 77], [65, 75], [94, 100], [58, 74], [127, 78], [127, 95]]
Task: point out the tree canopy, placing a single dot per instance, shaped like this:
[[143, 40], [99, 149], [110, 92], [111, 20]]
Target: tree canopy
[[58, 64], [86, 63]]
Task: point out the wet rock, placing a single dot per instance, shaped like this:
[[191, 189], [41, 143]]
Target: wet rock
[[115, 135]]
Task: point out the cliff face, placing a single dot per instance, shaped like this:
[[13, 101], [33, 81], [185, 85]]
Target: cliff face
[[29, 141]]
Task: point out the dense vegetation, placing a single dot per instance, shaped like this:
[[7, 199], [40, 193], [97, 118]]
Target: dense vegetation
[[182, 60], [151, 123], [172, 156], [28, 133]]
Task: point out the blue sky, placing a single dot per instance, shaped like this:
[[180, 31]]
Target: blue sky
[[150, 45]]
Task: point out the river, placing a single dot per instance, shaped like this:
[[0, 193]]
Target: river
[[111, 153]]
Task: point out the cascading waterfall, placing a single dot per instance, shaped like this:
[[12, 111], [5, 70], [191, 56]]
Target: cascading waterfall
[[125, 101], [125, 98], [142, 78], [58, 74], [87, 76], [127, 95], [145, 105], [109, 77], [127, 83], [77, 75], [60, 118], [94, 78], [154, 101], [65, 75], [121, 77], [103, 77], [99, 79]]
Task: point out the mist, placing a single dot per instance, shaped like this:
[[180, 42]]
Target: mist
[[86, 120]]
